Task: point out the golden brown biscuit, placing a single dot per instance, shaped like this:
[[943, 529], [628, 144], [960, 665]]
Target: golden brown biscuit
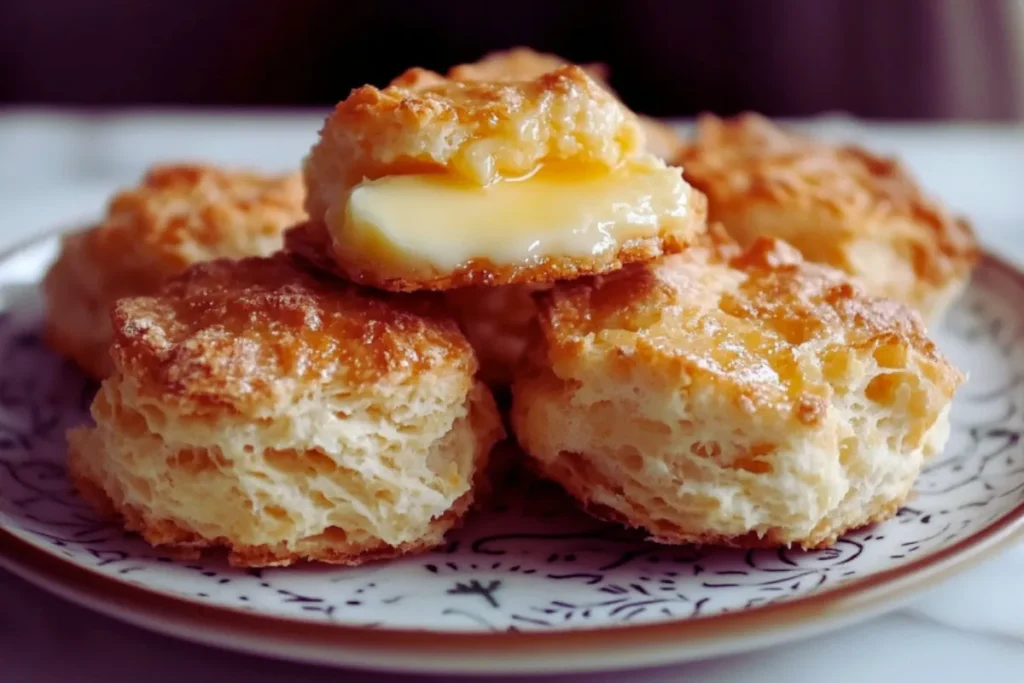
[[752, 400], [284, 417], [481, 131], [523, 63], [839, 205], [433, 183], [178, 215]]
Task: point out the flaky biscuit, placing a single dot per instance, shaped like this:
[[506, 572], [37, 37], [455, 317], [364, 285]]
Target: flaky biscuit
[[523, 63], [748, 400], [839, 205], [177, 215], [285, 417], [482, 131], [558, 145]]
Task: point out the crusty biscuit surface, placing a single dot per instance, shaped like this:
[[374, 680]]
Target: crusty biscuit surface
[[523, 63], [178, 215], [838, 204], [253, 334], [559, 125], [285, 417], [748, 399], [481, 131]]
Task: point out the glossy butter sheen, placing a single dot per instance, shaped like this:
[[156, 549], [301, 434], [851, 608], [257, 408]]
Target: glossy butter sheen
[[440, 222]]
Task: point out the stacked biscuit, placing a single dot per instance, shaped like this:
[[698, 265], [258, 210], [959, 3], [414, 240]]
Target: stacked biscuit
[[837, 204], [510, 224]]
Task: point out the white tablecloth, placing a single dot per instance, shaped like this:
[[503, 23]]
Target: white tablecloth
[[57, 169]]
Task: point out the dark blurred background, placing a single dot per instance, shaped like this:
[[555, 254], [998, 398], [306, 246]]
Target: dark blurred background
[[897, 59]]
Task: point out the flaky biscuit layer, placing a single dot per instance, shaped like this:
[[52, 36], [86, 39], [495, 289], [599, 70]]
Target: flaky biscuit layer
[[838, 204], [178, 215], [751, 399], [482, 131], [285, 417], [522, 63]]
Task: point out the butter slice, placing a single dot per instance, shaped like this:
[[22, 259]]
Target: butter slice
[[436, 223]]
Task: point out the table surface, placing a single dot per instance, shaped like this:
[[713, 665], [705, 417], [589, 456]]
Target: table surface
[[57, 169]]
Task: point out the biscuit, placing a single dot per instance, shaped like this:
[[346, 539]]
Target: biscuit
[[839, 205], [177, 215], [481, 131], [284, 417], [752, 400], [522, 63], [433, 183]]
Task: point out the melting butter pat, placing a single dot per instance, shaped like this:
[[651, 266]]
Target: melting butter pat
[[439, 222]]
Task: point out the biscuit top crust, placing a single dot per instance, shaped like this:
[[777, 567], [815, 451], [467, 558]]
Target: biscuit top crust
[[198, 212], [519, 64], [476, 130], [748, 159], [522, 63], [180, 214], [772, 334], [256, 335]]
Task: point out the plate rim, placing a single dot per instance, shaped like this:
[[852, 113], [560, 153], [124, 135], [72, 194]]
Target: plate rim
[[686, 639]]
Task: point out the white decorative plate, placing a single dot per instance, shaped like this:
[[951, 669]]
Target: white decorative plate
[[532, 586]]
